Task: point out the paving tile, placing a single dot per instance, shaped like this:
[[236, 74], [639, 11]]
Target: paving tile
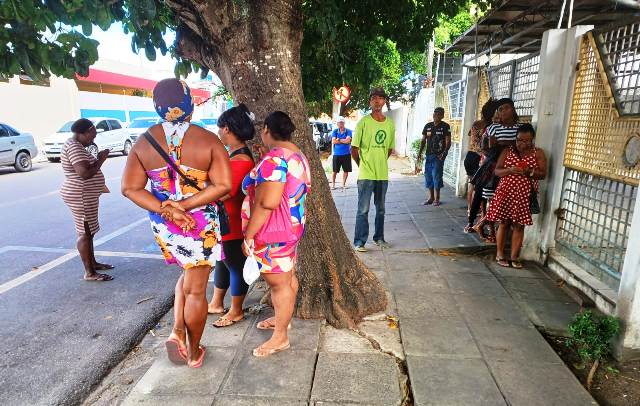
[[438, 337], [401, 261], [344, 341], [491, 309], [440, 381], [461, 264], [256, 401], [287, 374], [137, 398], [360, 378], [551, 315], [373, 258], [526, 272], [230, 336], [500, 341], [304, 334], [165, 378], [473, 284], [417, 282], [405, 241], [434, 305], [530, 288], [527, 383], [452, 241]]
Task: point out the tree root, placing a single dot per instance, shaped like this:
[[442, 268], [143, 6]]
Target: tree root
[[592, 373]]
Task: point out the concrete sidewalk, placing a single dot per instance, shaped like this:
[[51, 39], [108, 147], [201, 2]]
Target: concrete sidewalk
[[458, 331]]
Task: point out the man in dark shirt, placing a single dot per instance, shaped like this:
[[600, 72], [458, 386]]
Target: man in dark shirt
[[436, 136]]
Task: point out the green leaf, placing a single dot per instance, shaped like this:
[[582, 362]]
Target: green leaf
[[150, 51], [87, 28]]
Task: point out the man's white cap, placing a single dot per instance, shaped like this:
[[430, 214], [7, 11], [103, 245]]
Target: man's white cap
[[340, 119]]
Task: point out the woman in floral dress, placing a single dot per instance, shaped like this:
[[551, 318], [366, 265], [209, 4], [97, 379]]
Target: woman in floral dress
[[519, 169], [279, 182], [184, 222]]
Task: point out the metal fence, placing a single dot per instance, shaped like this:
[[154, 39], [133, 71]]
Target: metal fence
[[457, 94], [451, 165], [454, 103], [621, 45], [518, 80], [594, 221]]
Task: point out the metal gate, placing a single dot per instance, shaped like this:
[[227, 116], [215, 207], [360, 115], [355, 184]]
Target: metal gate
[[454, 102], [601, 157], [517, 79]]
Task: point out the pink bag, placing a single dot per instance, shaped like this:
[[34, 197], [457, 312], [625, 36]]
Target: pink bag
[[278, 228]]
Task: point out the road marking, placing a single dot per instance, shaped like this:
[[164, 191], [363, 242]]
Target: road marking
[[54, 192], [7, 286], [35, 249], [128, 255], [67, 251]]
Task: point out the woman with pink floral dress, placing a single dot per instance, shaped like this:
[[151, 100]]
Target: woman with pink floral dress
[[281, 178]]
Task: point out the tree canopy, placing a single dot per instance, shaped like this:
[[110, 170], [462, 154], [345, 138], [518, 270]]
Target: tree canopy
[[361, 44]]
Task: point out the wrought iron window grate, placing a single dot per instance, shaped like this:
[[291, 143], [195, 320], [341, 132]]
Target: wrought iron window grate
[[500, 79], [525, 84], [595, 219], [457, 94], [451, 165], [620, 51]]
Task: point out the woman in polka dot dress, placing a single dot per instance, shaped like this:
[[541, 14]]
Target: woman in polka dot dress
[[519, 169]]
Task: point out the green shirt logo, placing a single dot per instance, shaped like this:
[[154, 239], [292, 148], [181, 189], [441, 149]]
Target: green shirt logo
[[381, 136]]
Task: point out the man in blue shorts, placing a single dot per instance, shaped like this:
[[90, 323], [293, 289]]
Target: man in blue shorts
[[436, 136], [341, 140]]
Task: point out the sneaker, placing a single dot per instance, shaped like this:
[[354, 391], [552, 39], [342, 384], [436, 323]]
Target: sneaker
[[383, 244], [360, 248]]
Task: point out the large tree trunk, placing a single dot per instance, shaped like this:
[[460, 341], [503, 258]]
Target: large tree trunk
[[254, 46]]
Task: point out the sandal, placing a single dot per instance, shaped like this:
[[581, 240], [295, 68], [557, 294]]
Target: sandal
[[198, 363], [436, 203], [224, 311], [176, 351], [503, 262], [491, 239], [469, 229], [99, 277], [516, 264], [262, 352], [427, 202], [225, 322]]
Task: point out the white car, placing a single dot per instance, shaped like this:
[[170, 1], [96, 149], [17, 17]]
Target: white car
[[16, 149], [110, 135], [139, 125]]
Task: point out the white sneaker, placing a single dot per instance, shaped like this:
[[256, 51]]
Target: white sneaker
[[383, 244], [360, 248]]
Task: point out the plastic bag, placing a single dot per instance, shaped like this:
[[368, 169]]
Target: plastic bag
[[250, 271]]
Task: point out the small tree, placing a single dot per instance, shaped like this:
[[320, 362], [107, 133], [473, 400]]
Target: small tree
[[591, 337]]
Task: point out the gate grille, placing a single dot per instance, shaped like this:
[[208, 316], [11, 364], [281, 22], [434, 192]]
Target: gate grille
[[594, 221]]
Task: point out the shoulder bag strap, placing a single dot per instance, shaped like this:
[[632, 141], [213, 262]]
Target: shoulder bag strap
[[168, 160]]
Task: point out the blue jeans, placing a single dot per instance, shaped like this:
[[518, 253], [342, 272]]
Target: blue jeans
[[379, 190], [433, 168]]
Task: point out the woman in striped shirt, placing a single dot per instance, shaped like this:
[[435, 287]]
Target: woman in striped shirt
[[81, 190]]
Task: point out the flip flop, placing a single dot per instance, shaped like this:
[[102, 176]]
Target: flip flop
[[200, 360], [516, 264], [100, 277], [175, 351], [224, 311], [436, 203], [427, 202], [264, 325], [503, 262], [225, 322], [262, 352]]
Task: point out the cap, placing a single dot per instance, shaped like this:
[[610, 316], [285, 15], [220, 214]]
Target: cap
[[340, 119], [378, 91], [439, 110]]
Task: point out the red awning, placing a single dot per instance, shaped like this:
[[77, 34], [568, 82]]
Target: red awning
[[117, 79]]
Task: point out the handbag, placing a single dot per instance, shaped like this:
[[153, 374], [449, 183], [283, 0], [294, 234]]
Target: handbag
[[223, 216], [534, 205], [278, 228]]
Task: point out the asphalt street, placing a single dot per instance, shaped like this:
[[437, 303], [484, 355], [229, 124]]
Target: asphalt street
[[59, 334]]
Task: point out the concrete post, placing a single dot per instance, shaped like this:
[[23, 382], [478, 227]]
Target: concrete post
[[628, 305], [470, 108], [554, 93]]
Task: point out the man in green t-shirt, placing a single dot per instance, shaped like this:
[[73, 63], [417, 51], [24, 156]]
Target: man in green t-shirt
[[372, 144]]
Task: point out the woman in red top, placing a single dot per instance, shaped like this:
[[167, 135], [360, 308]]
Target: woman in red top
[[236, 128]]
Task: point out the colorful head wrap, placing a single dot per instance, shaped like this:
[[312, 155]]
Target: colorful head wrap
[[172, 100]]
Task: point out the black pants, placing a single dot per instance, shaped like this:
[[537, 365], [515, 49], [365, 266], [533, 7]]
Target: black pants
[[228, 272], [475, 203]]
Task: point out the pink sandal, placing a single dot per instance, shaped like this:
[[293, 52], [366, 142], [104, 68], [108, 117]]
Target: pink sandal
[[176, 352], [200, 361]]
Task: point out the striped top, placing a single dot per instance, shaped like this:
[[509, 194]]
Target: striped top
[[72, 153], [503, 133]]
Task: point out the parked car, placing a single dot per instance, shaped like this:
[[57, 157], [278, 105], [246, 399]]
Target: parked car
[[211, 124], [110, 135], [16, 148], [321, 134], [140, 125]]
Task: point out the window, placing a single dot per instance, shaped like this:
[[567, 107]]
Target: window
[[102, 125], [114, 125], [11, 131]]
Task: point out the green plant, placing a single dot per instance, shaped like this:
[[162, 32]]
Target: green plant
[[591, 336]]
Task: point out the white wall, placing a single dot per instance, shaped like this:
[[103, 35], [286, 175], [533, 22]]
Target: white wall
[[421, 114], [399, 116], [39, 110]]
